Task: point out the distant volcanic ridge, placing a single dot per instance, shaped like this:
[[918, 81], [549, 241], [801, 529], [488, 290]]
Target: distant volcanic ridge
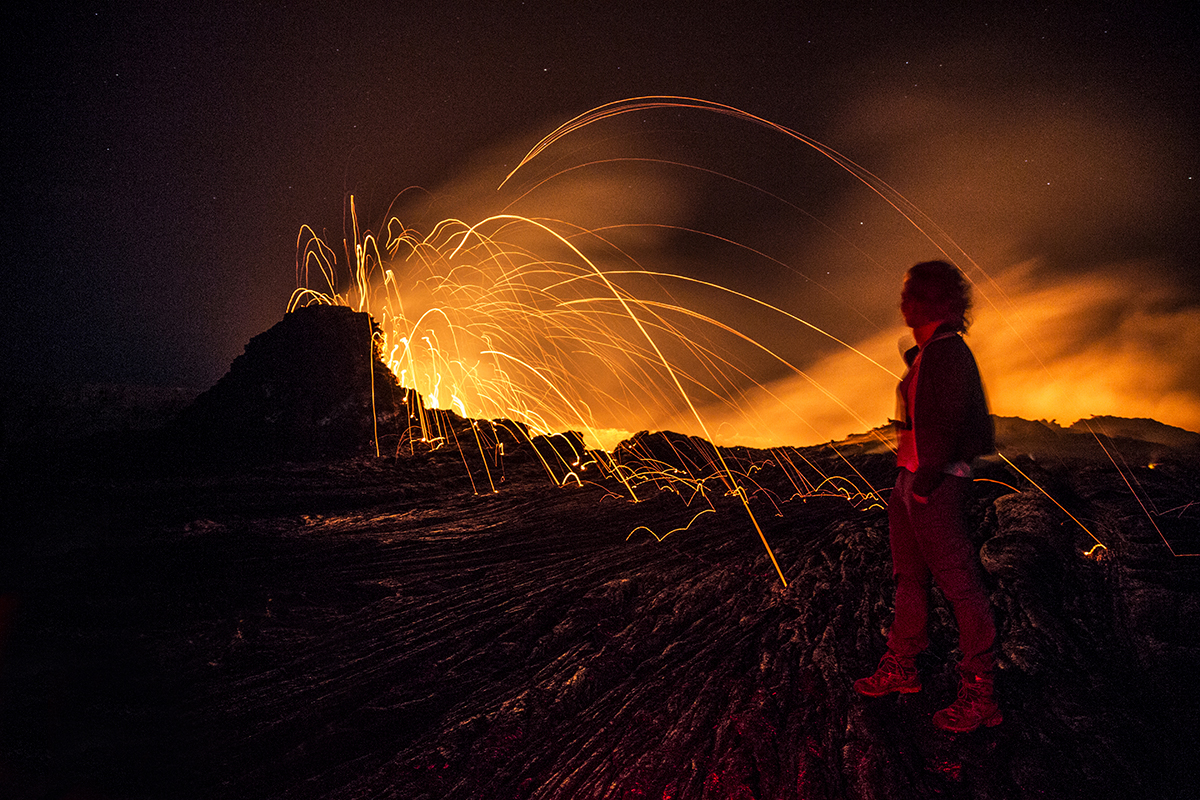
[[1142, 440], [689, 454]]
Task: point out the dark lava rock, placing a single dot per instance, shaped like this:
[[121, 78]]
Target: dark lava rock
[[311, 387], [1138, 440], [377, 628], [669, 450], [37, 414]]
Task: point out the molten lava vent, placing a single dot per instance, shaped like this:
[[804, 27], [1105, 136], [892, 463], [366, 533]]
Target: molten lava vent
[[303, 390]]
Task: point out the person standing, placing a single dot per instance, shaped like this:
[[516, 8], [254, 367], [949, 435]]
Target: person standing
[[944, 425]]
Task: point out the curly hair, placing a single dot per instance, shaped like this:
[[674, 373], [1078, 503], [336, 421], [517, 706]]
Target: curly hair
[[942, 285]]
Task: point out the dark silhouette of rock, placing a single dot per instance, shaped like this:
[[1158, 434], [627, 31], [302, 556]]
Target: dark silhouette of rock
[[1140, 440], [311, 387], [1139, 429], [690, 454]]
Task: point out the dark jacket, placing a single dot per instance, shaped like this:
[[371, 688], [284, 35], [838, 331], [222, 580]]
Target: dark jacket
[[950, 418]]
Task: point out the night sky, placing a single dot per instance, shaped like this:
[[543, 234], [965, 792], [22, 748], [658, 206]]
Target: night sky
[[161, 159]]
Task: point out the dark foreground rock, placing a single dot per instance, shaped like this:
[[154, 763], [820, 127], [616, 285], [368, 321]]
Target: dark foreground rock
[[377, 628]]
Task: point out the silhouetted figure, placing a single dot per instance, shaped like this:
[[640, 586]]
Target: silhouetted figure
[[944, 425]]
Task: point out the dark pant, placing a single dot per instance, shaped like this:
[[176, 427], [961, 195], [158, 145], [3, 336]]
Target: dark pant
[[930, 541]]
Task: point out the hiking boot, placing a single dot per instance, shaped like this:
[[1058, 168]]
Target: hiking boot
[[894, 674], [975, 706]]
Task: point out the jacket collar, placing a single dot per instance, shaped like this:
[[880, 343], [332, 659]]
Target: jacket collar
[[943, 331]]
